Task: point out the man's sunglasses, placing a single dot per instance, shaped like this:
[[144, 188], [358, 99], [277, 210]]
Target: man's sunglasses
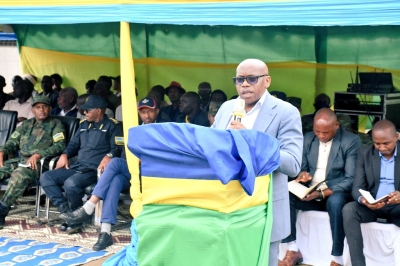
[[250, 79], [88, 110]]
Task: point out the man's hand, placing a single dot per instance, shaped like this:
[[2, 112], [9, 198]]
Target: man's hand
[[1, 159], [103, 163], [236, 125], [63, 162], [33, 161], [303, 177], [312, 196], [21, 119], [394, 198], [376, 206]]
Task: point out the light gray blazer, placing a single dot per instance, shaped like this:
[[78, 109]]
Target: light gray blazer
[[281, 120]]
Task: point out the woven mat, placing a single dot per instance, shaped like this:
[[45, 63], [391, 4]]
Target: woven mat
[[21, 223]]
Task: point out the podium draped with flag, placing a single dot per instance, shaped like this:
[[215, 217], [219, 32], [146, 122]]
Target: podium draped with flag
[[205, 193]]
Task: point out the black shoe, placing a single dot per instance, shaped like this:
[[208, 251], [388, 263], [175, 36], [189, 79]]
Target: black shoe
[[2, 221], [104, 241], [64, 227], [74, 228], [4, 209], [63, 208], [77, 216]]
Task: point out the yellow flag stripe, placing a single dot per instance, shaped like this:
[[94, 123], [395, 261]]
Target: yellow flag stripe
[[206, 194]]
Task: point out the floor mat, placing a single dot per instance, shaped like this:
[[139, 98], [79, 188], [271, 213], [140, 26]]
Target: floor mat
[[21, 223], [15, 251]]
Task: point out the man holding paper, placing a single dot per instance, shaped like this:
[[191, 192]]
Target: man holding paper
[[35, 138], [377, 171], [329, 153]]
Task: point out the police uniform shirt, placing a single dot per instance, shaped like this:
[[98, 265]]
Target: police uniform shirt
[[93, 141]]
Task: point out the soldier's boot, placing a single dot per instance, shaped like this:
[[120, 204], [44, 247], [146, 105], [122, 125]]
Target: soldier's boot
[[4, 209]]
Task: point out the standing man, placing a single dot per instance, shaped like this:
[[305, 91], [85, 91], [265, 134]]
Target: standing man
[[190, 108], [114, 179], [95, 143], [329, 153], [47, 87], [204, 91], [277, 118], [174, 92], [4, 97], [377, 171], [35, 138]]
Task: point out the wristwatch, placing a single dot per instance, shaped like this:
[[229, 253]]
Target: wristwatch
[[110, 155], [320, 198]]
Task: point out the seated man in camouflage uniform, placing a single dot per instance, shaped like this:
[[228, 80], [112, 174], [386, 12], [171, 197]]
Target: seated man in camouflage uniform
[[35, 138]]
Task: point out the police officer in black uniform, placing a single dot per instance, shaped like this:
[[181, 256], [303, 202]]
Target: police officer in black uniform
[[98, 139]]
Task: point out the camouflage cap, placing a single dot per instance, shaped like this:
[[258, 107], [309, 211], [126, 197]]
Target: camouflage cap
[[41, 99]]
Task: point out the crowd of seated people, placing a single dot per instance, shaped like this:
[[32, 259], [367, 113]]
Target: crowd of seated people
[[331, 152]]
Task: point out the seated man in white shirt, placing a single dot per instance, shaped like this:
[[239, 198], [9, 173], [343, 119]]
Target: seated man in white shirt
[[329, 153], [23, 102], [66, 103]]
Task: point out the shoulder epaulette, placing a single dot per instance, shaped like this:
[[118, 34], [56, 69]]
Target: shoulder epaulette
[[114, 120], [83, 120]]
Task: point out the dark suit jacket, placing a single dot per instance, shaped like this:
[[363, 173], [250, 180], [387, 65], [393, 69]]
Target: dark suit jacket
[[71, 113], [341, 161], [368, 171]]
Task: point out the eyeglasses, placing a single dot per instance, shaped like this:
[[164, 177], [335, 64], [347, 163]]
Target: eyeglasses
[[88, 110], [250, 79]]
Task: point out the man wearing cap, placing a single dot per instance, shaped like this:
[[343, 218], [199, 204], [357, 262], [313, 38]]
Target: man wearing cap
[[97, 140], [23, 101], [114, 179], [35, 138], [4, 97], [174, 92], [148, 111]]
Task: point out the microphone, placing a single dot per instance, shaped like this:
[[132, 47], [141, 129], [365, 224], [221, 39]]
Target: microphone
[[238, 111]]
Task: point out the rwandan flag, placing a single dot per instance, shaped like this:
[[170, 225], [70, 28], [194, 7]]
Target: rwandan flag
[[204, 195]]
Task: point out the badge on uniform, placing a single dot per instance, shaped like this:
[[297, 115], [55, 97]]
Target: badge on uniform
[[119, 140], [15, 134], [57, 137]]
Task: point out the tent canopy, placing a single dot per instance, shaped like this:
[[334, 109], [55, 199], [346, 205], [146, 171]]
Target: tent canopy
[[206, 12]]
